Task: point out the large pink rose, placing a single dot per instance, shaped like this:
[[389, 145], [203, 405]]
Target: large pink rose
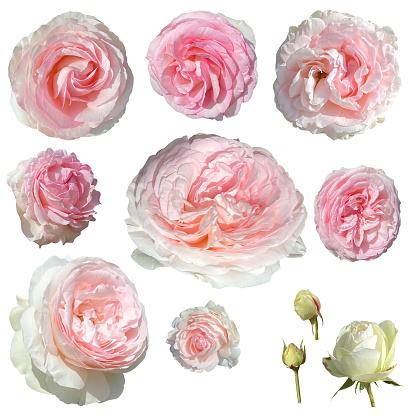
[[357, 213], [70, 78], [204, 64], [203, 338], [55, 196], [336, 74], [216, 208], [82, 327]]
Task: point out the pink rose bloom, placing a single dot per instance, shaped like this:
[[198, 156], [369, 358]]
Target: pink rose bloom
[[203, 338], [70, 78], [216, 208], [336, 74], [357, 213], [204, 64], [55, 196], [81, 329]]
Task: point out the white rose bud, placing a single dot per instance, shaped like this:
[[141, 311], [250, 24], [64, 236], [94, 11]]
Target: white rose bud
[[293, 357], [308, 307]]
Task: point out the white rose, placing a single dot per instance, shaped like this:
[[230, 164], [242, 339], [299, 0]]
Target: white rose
[[364, 352]]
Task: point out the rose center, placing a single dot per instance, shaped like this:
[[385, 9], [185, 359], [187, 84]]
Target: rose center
[[201, 342], [321, 74]]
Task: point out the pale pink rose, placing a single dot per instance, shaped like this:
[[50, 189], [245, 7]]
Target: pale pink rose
[[203, 338], [81, 329], [70, 78], [216, 208], [55, 196], [336, 74], [204, 64], [357, 213]]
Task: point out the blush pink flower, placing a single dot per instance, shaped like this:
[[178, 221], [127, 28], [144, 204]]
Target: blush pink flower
[[81, 329], [357, 213], [204, 64], [216, 208], [203, 338], [70, 78], [336, 74], [55, 196]]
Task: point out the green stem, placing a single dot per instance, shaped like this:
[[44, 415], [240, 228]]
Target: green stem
[[297, 383], [370, 394], [316, 329]]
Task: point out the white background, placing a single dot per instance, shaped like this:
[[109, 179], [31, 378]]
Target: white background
[[260, 383]]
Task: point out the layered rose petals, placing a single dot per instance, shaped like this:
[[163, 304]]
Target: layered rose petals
[[357, 213], [81, 329], [336, 74], [70, 78], [364, 352], [203, 338], [203, 65], [217, 208], [55, 196]]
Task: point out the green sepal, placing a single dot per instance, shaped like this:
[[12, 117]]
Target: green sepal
[[360, 386], [347, 384], [390, 381]]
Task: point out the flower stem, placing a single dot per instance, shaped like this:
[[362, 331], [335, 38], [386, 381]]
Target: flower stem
[[316, 329], [296, 370], [370, 394]]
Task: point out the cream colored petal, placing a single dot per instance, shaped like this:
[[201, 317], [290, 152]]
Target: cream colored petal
[[21, 360], [368, 343], [40, 280], [31, 229], [35, 379], [340, 353], [330, 365], [305, 307], [65, 374], [99, 387], [243, 27], [21, 114], [370, 378], [19, 355], [16, 313], [362, 362], [391, 332], [32, 339], [148, 262]]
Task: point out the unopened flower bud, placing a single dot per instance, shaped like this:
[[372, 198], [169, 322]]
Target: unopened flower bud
[[293, 356], [308, 306]]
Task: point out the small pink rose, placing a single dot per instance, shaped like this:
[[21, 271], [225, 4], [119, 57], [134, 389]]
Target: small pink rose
[[70, 78], [336, 74], [217, 208], [55, 196], [204, 64], [81, 329], [357, 213], [203, 338]]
